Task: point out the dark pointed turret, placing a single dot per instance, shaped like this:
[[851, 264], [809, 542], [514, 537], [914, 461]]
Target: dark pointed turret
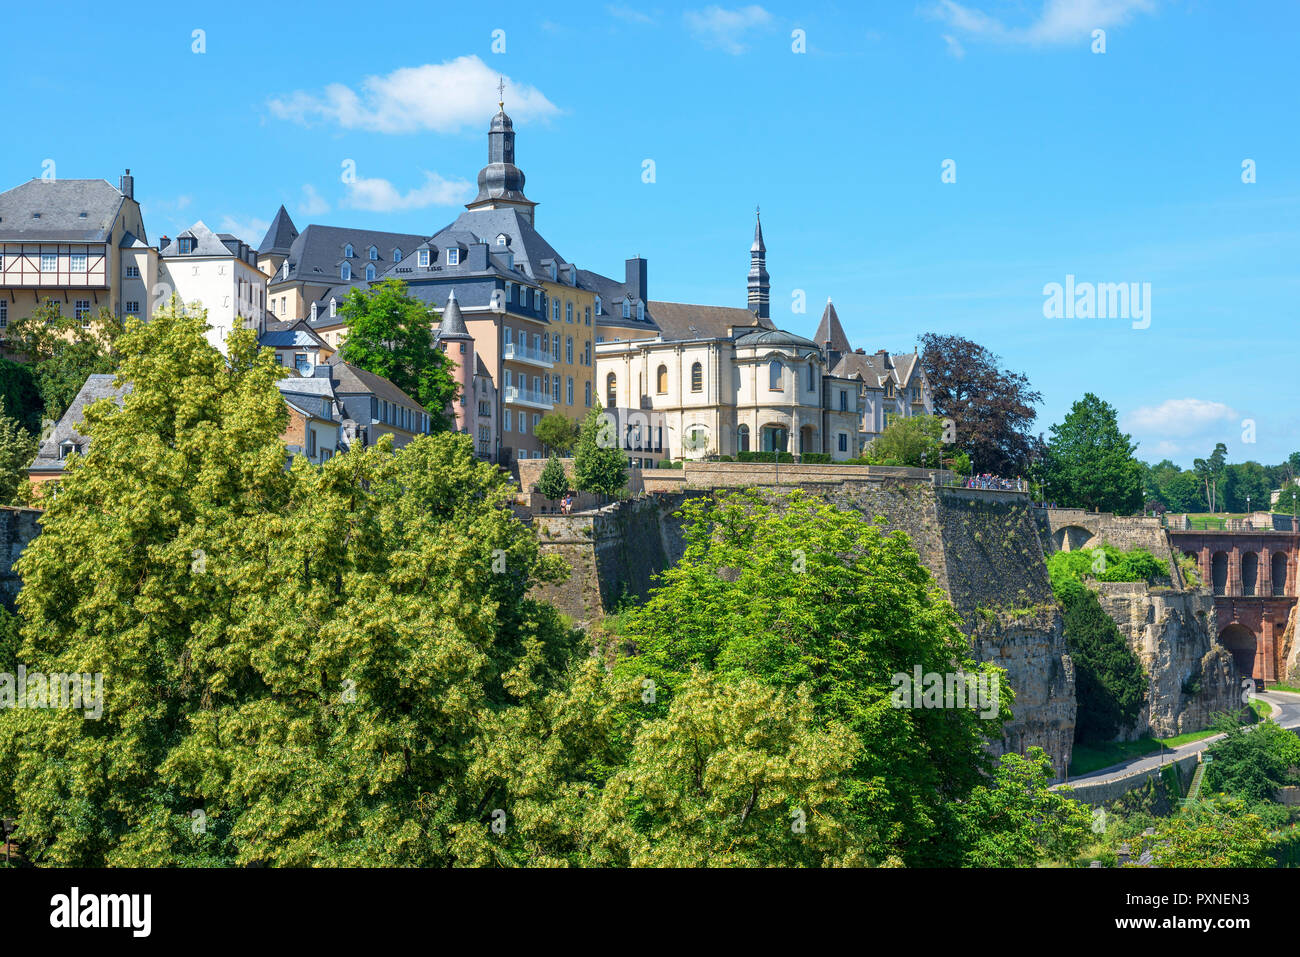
[[280, 236], [830, 335], [501, 182], [759, 287], [452, 325]]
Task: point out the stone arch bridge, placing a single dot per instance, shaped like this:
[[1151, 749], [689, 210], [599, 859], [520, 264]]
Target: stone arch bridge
[[1252, 572]]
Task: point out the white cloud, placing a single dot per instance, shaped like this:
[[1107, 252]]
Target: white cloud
[[1061, 21], [629, 14], [1181, 418], [381, 196], [954, 46], [442, 97], [313, 203], [726, 29], [250, 231]]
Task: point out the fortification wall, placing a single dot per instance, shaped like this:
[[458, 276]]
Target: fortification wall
[[982, 547], [18, 526], [1103, 792]]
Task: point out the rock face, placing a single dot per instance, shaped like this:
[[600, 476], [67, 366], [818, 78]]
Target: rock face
[[1289, 649], [984, 550], [1172, 631]]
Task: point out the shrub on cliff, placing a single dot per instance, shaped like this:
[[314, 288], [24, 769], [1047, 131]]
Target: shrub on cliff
[[1106, 563], [1253, 764], [794, 592], [599, 464]]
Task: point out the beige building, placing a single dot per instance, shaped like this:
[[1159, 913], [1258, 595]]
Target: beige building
[[64, 240]]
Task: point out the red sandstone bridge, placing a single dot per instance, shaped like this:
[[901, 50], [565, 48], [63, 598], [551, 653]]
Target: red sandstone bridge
[[1253, 575]]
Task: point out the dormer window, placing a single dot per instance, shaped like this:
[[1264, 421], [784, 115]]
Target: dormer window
[[627, 309], [348, 251], [313, 312], [453, 256], [186, 244], [374, 254], [284, 270], [397, 255], [640, 312], [423, 257], [598, 305], [66, 447], [334, 307], [502, 240], [345, 272], [554, 272], [370, 272]]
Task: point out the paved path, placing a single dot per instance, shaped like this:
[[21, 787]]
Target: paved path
[[1286, 712]]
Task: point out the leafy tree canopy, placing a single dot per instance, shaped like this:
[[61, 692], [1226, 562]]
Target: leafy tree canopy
[[1090, 463]]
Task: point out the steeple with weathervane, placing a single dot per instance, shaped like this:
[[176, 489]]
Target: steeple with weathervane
[[758, 279], [501, 182]]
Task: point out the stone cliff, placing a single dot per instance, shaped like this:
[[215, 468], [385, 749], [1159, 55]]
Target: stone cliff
[[983, 548]]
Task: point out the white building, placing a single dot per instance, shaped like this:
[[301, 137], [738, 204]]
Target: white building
[[735, 384], [219, 271]]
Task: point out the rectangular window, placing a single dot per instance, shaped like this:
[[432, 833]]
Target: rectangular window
[[453, 256], [568, 350], [555, 384], [311, 441], [556, 346], [423, 259], [587, 315], [132, 272], [505, 419], [4, 313], [569, 390], [536, 418], [555, 309], [78, 263], [523, 423], [133, 307], [49, 262], [844, 401], [568, 312], [510, 378], [586, 353], [82, 312], [587, 391], [508, 335], [844, 442]]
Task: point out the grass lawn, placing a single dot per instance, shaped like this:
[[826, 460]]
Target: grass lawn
[[1085, 760]]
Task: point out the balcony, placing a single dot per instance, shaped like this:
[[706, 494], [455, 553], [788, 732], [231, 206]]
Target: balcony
[[515, 395], [518, 352]]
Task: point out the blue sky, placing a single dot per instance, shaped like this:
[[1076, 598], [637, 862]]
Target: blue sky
[[1123, 166]]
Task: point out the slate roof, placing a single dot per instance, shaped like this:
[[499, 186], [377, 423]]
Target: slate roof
[[681, 320], [531, 252], [60, 204], [314, 396], [775, 337], [830, 329], [291, 334], [206, 243], [453, 323], [351, 380], [281, 234], [96, 387], [316, 255]]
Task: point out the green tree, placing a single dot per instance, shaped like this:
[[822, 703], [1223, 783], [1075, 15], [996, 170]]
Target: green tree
[[1212, 472], [599, 464], [390, 333], [17, 449], [1017, 821], [1246, 485], [557, 432], [1090, 463], [63, 351], [1253, 764], [309, 660], [792, 591], [914, 441], [553, 482], [21, 396], [1219, 832]]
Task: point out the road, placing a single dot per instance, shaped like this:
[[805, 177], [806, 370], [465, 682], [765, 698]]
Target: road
[[1286, 712]]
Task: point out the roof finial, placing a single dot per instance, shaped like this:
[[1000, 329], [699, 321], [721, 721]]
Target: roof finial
[[501, 92]]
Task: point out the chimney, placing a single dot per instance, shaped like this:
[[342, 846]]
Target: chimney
[[883, 358], [126, 185], [861, 351], [162, 243], [636, 279]]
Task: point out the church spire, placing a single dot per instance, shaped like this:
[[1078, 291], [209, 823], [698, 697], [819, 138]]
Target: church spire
[[759, 286]]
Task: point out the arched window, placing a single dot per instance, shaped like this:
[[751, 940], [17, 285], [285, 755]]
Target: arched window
[[374, 254], [370, 272], [774, 375], [742, 438], [348, 252], [697, 378], [661, 380], [611, 391], [346, 271], [1279, 573], [397, 254]]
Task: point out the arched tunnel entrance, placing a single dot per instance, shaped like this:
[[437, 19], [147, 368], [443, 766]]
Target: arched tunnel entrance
[[1241, 641]]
